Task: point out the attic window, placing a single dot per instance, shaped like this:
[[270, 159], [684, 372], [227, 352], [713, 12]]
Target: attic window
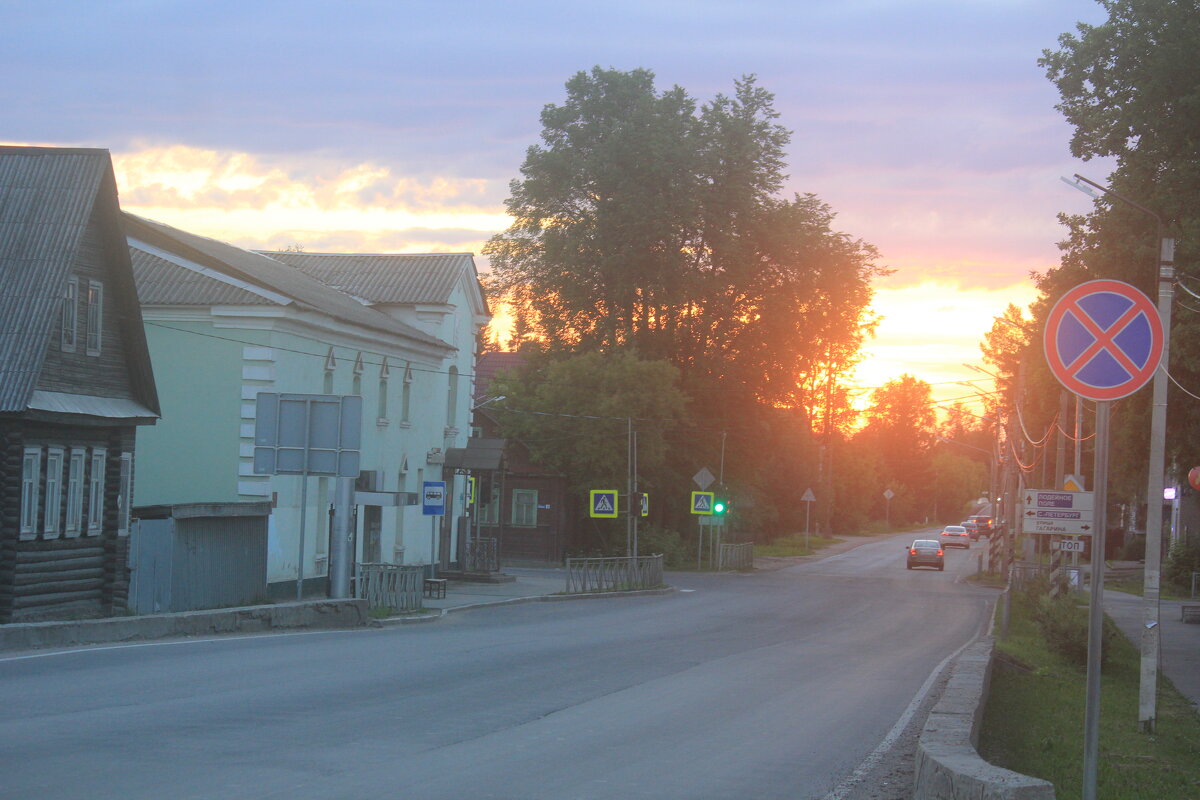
[[70, 316], [95, 316]]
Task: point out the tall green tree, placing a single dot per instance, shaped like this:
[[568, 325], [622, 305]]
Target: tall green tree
[[1130, 87], [646, 220], [902, 427]]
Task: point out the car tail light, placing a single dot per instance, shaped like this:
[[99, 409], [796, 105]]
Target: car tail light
[[913, 551], [940, 553]]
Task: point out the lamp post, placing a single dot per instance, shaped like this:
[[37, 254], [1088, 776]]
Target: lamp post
[[1148, 687]]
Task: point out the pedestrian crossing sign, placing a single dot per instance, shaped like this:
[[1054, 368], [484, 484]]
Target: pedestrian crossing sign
[[604, 503], [702, 503]]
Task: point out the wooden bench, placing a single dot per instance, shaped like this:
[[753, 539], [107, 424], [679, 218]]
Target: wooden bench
[[1190, 613], [435, 587]]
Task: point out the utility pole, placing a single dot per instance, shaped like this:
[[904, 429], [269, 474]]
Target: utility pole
[[1148, 686]]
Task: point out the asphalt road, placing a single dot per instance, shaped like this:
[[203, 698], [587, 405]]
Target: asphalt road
[[767, 685]]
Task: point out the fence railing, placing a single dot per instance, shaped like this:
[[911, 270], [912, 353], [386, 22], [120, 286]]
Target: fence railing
[[736, 556], [390, 585], [482, 555], [1024, 571], [618, 574]]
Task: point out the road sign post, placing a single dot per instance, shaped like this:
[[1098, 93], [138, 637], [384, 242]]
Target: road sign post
[[433, 505], [1103, 341], [808, 499]]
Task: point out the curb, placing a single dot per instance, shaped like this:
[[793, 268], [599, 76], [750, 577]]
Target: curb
[[307, 615], [512, 601], [947, 764]]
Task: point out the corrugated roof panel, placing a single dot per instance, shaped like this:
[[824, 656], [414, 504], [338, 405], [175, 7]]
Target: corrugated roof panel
[[161, 283], [46, 197], [385, 278], [268, 273]]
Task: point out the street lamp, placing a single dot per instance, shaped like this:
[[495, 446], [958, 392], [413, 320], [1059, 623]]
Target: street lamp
[[1148, 688]]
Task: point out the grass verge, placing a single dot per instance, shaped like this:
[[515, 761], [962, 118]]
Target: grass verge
[[1034, 721], [1135, 586], [786, 546]]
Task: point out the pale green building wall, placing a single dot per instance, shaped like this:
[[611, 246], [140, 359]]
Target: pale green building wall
[[185, 457]]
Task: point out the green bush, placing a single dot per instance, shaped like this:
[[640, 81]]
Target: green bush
[[1182, 561], [653, 539], [1063, 622]]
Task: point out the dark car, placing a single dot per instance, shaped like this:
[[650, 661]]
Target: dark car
[[956, 536], [974, 529], [926, 553], [985, 524]]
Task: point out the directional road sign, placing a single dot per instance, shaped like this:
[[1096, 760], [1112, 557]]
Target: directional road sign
[[1103, 340], [603, 503], [1065, 513], [702, 502]]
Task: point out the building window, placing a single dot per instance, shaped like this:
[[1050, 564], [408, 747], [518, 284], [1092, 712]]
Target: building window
[[489, 505], [524, 507], [75, 492], [124, 494], [31, 479], [382, 416], [330, 366], [54, 486], [452, 398], [95, 517], [70, 316], [95, 316], [406, 394]]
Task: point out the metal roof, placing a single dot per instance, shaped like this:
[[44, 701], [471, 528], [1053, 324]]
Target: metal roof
[[479, 455], [260, 271], [48, 197], [163, 283], [387, 278]]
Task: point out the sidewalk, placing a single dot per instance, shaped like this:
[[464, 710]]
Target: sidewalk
[[531, 584], [1179, 641]]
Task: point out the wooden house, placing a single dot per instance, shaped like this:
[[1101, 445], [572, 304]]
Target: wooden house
[[75, 383], [526, 506]]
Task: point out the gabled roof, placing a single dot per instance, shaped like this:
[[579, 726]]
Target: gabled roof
[[180, 268], [388, 278], [489, 364], [48, 196]]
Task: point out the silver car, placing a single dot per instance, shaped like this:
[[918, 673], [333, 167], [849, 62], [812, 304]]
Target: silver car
[[955, 536]]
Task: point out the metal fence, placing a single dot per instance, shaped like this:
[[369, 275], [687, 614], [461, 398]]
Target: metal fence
[[736, 556], [619, 574], [390, 585], [1023, 572], [482, 555]]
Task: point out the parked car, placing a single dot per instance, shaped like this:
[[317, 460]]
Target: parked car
[[956, 536], [926, 553], [986, 524]]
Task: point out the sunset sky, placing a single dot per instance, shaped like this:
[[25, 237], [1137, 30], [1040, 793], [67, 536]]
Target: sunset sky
[[385, 126]]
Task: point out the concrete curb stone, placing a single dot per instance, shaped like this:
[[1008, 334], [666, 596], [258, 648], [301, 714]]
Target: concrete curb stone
[[948, 766]]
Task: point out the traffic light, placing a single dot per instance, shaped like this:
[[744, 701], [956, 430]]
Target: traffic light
[[720, 506]]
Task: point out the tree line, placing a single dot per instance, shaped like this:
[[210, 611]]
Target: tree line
[[659, 281]]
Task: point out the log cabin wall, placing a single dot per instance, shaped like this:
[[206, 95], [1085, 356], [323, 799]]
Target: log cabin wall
[[55, 575]]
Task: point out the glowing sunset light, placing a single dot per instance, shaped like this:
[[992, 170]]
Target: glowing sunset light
[[929, 330], [239, 198]]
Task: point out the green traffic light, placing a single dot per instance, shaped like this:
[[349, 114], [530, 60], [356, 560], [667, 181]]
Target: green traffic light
[[719, 507]]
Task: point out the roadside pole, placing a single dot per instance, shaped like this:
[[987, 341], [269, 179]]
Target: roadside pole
[[1103, 340], [1091, 723]]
